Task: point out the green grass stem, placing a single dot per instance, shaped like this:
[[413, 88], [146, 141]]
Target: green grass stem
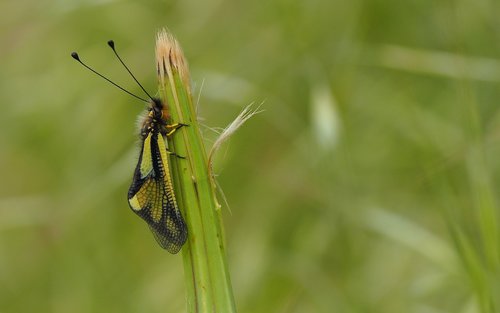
[[205, 265]]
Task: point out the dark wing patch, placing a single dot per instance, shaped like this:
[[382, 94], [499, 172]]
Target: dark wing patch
[[151, 195]]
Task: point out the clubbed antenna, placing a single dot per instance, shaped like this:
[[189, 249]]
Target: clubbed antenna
[[75, 56], [111, 43]]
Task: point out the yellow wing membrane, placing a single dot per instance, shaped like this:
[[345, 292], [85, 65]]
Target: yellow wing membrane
[[151, 195]]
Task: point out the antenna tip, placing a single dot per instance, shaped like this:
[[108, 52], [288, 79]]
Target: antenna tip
[[111, 43], [75, 56]]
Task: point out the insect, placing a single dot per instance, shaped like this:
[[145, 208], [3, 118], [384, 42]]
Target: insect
[[151, 194]]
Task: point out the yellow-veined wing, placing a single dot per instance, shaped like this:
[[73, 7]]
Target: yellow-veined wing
[[151, 195]]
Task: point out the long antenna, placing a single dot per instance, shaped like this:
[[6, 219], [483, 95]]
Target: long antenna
[[111, 43], [75, 56]]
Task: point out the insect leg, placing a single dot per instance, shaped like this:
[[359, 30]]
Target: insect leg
[[173, 127], [175, 154]]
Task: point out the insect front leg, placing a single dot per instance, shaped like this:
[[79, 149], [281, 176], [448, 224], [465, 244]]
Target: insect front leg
[[173, 127]]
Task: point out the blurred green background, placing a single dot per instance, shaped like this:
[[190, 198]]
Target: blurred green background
[[367, 185]]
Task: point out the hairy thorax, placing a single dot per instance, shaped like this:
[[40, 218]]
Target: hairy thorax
[[155, 120]]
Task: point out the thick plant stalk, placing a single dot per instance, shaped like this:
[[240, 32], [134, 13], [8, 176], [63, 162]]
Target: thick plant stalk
[[205, 265]]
